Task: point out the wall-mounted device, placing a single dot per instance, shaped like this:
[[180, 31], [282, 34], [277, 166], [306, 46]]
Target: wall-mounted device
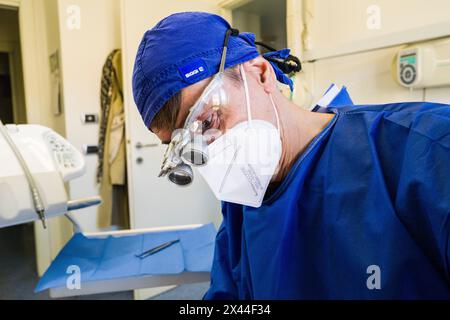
[[35, 163], [90, 149], [89, 118], [424, 65]]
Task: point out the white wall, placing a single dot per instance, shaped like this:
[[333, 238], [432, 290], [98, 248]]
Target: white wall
[[39, 30], [83, 53], [341, 23], [50, 12], [370, 78], [40, 38], [368, 75]]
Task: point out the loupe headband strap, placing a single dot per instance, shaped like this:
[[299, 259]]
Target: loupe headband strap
[[288, 65], [230, 32]]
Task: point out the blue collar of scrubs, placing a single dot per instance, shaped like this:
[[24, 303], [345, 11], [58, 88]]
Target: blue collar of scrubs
[[316, 143], [334, 97], [331, 102]]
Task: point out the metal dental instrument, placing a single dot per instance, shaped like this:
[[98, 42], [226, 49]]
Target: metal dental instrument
[[156, 250]]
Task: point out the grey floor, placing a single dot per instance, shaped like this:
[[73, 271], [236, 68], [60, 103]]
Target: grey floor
[[18, 276]]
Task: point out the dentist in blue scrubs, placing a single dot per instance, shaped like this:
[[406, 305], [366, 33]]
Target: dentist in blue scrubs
[[352, 202]]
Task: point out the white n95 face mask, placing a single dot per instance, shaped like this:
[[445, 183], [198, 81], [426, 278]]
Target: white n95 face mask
[[243, 161]]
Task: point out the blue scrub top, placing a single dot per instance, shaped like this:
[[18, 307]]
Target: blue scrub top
[[363, 214]]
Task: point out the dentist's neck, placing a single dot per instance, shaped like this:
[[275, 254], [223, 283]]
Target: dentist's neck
[[298, 129]]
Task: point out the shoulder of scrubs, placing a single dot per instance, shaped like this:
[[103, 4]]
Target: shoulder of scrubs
[[411, 143]]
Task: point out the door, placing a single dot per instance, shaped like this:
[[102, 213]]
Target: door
[[155, 202]]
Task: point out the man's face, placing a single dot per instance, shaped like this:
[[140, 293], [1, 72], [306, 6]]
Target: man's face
[[217, 122]]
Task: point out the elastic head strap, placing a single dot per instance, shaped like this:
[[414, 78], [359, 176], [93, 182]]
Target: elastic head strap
[[247, 98], [276, 113], [247, 94]]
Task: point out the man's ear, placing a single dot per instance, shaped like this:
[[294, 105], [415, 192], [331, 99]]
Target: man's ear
[[262, 71]]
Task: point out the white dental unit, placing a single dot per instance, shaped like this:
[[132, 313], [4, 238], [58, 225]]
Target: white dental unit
[[35, 163]]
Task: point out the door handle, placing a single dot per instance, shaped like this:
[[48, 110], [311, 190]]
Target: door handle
[[139, 145]]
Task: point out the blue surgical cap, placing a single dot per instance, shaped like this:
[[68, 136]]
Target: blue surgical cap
[[184, 49]]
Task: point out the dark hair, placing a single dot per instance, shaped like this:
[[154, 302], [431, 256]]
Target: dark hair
[[166, 118]]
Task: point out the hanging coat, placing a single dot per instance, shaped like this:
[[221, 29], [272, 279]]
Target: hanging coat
[[111, 173]]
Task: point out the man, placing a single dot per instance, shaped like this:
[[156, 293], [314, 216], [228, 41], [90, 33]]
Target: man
[[352, 203]]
